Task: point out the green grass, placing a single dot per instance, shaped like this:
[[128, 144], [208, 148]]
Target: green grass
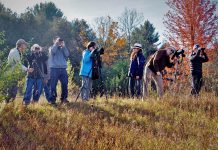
[[170, 123]]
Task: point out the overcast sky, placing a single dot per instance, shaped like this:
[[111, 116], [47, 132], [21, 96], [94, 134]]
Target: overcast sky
[[153, 10]]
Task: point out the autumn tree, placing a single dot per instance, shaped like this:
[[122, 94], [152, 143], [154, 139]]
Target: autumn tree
[[109, 38], [191, 21], [128, 21]]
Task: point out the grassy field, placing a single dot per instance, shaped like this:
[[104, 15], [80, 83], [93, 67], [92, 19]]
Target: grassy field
[[170, 123]]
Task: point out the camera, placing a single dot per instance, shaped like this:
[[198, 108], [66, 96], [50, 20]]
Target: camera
[[202, 50], [178, 53], [98, 51], [37, 54], [97, 62], [60, 40], [96, 56]]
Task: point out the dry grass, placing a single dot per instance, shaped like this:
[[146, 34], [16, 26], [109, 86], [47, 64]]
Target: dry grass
[[170, 123]]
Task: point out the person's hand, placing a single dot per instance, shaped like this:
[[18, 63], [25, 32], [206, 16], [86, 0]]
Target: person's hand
[[62, 44], [45, 81], [30, 70], [57, 42], [158, 73], [137, 77]]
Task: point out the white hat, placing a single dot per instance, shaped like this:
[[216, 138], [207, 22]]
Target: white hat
[[196, 46], [137, 45], [35, 46]]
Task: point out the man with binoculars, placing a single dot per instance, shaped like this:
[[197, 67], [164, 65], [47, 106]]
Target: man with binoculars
[[58, 55], [197, 57]]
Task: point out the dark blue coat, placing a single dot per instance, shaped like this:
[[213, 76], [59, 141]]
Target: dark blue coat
[[137, 66]]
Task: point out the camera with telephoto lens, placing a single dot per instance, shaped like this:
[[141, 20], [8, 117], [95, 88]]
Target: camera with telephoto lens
[[98, 51], [60, 40], [178, 53], [96, 54], [97, 62]]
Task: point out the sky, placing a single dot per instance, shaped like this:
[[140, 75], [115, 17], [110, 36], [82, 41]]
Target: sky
[[153, 10]]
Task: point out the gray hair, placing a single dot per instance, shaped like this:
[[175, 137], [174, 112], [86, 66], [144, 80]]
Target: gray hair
[[20, 42]]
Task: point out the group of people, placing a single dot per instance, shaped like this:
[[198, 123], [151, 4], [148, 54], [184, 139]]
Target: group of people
[[46, 67], [156, 64]]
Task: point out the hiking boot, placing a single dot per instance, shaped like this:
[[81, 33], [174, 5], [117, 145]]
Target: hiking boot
[[25, 104], [65, 101], [53, 104]]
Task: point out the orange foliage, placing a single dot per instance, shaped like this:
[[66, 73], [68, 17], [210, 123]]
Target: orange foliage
[[113, 44], [190, 22]]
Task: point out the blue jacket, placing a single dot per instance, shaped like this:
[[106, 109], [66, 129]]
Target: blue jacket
[[58, 57], [137, 66], [86, 66]]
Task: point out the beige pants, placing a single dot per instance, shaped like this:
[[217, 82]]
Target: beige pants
[[148, 75]]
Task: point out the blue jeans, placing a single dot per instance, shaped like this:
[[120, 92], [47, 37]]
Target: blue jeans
[[135, 83], [47, 88], [59, 74], [31, 84], [86, 88]]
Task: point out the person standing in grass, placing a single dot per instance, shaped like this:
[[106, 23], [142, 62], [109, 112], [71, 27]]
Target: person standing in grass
[[34, 82], [137, 61], [197, 57], [58, 55], [14, 59], [154, 67], [86, 71]]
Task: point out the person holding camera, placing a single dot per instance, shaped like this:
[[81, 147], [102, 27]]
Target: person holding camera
[[86, 71], [197, 57], [154, 67], [137, 61], [14, 59], [58, 55], [34, 82]]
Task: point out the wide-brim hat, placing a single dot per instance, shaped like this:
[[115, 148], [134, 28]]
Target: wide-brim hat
[[137, 45]]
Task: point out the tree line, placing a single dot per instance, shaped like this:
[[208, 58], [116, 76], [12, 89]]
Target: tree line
[[187, 22], [44, 21]]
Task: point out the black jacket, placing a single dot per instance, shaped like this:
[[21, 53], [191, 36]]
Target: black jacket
[[137, 66], [196, 61], [37, 61]]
